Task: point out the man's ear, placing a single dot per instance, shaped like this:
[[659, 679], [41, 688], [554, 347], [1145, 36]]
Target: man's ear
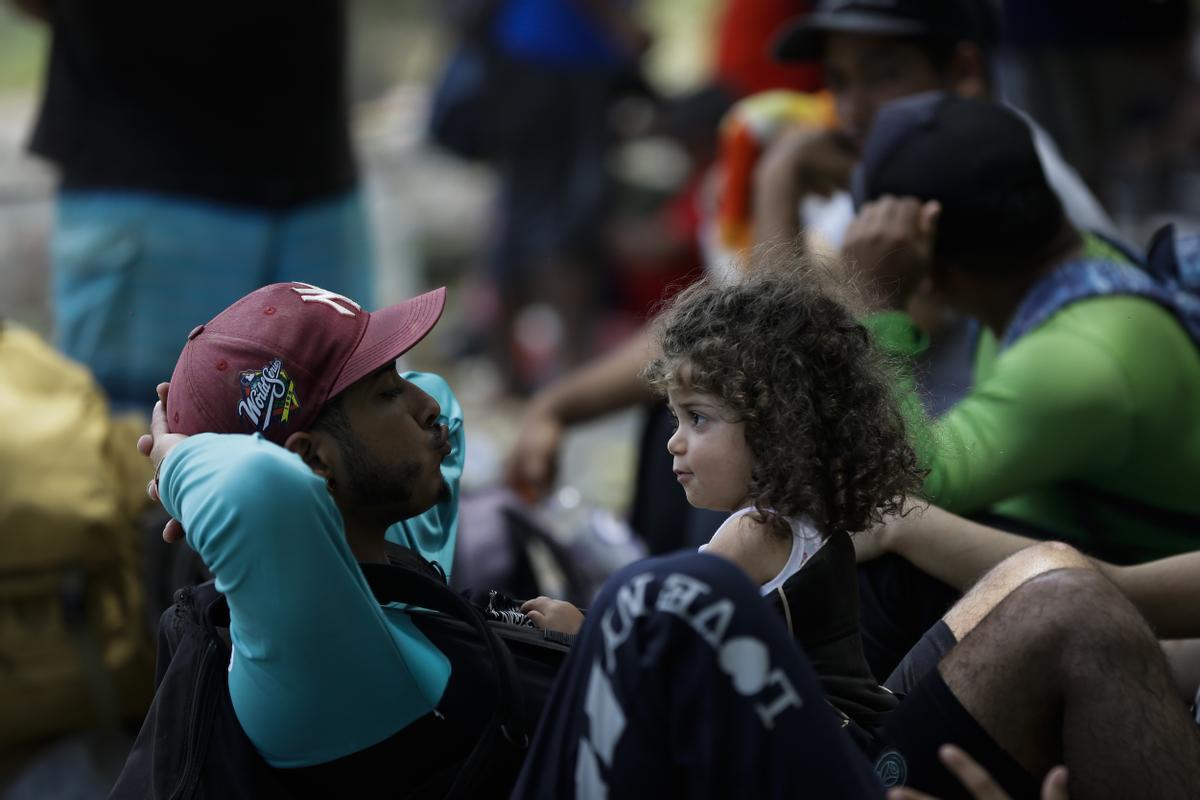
[[968, 71], [316, 450]]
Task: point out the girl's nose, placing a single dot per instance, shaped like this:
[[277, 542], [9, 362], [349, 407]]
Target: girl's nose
[[676, 445]]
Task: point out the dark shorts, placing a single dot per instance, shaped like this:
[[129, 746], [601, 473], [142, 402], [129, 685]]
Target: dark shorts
[[898, 603], [928, 717], [921, 659]]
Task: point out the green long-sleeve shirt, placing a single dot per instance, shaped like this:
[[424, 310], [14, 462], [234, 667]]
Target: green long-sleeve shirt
[[1097, 407]]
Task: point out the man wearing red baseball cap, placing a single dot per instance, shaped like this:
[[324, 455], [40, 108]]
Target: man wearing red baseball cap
[[334, 452]]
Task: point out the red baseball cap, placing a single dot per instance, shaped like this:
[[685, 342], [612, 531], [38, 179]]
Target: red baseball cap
[[271, 361]]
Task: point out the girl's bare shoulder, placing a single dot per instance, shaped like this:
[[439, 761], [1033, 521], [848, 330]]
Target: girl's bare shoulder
[[751, 544]]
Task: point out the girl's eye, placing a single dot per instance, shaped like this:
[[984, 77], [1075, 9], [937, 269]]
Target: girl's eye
[[698, 419]]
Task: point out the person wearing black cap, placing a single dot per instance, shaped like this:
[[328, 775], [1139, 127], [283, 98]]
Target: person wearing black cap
[[1078, 424], [1082, 422], [875, 51]]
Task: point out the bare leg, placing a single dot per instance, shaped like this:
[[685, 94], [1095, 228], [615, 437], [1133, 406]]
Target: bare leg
[[1000, 581], [1065, 670]]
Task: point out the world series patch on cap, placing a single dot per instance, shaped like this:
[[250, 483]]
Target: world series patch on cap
[[271, 361]]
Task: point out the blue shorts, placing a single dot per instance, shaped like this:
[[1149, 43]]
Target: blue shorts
[[135, 272]]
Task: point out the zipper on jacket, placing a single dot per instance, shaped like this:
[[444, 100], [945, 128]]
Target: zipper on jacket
[[192, 760]]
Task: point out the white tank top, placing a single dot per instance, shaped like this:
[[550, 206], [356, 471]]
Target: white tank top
[[806, 541]]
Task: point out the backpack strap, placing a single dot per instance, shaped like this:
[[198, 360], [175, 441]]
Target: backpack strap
[[1174, 257], [400, 556], [400, 584], [1170, 276]]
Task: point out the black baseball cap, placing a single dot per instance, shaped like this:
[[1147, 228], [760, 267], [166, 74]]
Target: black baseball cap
[[952, 20], [977, 159]]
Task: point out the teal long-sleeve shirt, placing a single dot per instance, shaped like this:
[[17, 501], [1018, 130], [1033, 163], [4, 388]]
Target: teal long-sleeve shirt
[[319, 669]]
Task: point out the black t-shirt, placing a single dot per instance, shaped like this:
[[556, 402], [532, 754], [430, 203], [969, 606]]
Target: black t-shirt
[[242, 103]]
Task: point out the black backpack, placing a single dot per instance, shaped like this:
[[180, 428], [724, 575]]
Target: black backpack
[[191, 744]]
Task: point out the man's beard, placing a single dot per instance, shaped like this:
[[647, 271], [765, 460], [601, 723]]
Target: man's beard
[[374, 485]]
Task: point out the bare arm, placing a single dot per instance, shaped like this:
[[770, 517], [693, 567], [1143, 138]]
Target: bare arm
[[1167, 592], [958, 552], [748, 543], [952, 549], [609, 384], [801, 161]]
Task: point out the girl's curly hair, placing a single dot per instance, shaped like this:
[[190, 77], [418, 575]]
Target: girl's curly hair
[[818, 399]]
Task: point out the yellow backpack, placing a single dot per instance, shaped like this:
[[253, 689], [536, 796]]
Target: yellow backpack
[[75, 652]]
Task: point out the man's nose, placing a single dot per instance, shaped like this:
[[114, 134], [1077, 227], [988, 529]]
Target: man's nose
[[426, 410]]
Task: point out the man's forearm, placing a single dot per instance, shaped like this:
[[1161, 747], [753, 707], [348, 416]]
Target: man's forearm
[[607, 385], [776, 212], [1166, 591], [958, 552], [952, 549]]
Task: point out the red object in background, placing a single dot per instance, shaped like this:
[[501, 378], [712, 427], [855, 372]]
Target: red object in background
[[647, 281], [746, 32]]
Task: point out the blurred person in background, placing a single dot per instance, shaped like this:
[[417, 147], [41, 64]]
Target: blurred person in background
[[653, 233], [74, 645], [872, 55], [203, 150], [563, 64]]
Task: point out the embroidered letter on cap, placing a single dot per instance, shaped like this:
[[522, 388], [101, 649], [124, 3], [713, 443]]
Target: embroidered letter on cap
[[315, 294]]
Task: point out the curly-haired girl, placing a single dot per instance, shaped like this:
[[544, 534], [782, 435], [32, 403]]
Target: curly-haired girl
[[787, 417], [781, 373]]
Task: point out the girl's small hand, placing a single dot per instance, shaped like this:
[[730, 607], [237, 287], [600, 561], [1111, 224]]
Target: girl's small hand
[[554, 615]]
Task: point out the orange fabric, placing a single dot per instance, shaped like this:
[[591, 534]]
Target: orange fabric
[[739, 153], [748, 129]]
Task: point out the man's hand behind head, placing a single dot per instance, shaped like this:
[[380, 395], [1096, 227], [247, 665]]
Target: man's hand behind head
[[799, 162], [889, 245], [155, 446]]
